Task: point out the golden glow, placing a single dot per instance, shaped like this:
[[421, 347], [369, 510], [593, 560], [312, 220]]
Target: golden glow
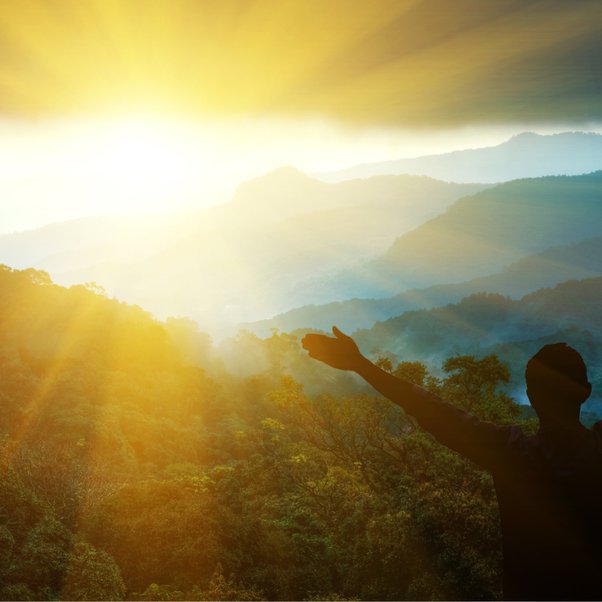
[[71, 338], [140, 162], [407, 62], [213, 56], [53, 170], [137, 149]]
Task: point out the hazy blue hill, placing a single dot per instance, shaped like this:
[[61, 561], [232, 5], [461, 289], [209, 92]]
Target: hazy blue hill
[[81, 243], [248, 269], [286, 240], [486, 323], [241, 260], [80, 237], [288, 193], [78, 244], [476, 236], [523, 156], [552, 266], [277, 195], [485, 232]]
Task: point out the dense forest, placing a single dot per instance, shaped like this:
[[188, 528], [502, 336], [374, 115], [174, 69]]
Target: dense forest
[[483, 324], [140, 461]]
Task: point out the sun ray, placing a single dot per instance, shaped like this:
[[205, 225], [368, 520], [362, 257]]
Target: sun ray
[[62, 356], [389, 62]]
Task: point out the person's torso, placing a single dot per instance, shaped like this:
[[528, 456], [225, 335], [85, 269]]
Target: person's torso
[[549, 489]]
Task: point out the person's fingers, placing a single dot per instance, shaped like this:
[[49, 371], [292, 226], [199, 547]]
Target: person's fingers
[[339, 334]]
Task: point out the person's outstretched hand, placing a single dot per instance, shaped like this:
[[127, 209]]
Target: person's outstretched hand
[[339, 352]]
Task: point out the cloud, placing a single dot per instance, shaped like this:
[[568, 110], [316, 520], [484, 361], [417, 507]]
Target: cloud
[[419, 63]]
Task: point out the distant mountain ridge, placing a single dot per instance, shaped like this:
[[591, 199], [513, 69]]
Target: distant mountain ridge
[[79, 243], [481, 320], [478, 235], [525, 155], [237, 261], [481, 324], [288, 240], [548, 268]]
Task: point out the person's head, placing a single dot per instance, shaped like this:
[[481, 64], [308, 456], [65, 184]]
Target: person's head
[[557, 382]]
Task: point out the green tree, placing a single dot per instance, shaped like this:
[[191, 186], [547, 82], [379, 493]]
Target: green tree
[[473, 384], [222, 588], [91, 575]]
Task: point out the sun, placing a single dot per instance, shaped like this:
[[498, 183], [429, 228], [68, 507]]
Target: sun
[[140, 160], [141, 148]]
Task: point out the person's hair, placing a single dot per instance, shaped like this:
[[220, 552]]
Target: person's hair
[[558, 372]]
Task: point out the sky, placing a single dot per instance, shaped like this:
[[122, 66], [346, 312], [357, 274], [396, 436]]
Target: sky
[[129, 105], [427, 63]]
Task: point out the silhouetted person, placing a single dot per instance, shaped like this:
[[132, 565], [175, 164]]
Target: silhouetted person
[[548, 485]]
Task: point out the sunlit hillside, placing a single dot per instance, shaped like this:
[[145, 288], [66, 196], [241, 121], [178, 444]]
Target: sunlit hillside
[[143, 465], [270, 277]]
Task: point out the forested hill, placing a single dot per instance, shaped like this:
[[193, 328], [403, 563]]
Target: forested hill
[[486, 323], [135, 464], [479, 235], [550, 267], [490, 230]]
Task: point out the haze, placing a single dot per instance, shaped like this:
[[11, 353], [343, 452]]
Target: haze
[[122, 107], [54, 170]]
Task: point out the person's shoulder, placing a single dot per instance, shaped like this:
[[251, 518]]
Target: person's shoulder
[[591, 445], [596, 431], [594, 454]]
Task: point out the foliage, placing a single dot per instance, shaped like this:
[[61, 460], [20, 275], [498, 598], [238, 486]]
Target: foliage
[[485, 324], [135, 465], [92, 575]]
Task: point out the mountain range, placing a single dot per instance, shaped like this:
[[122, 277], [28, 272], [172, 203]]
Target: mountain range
[[487, 323], [478, 235], [370, 248], [238, 261], [479, 321], [525, 155], [550, 267]]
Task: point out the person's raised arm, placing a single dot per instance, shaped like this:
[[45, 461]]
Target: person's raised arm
[[479, 441], [342, 352]]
